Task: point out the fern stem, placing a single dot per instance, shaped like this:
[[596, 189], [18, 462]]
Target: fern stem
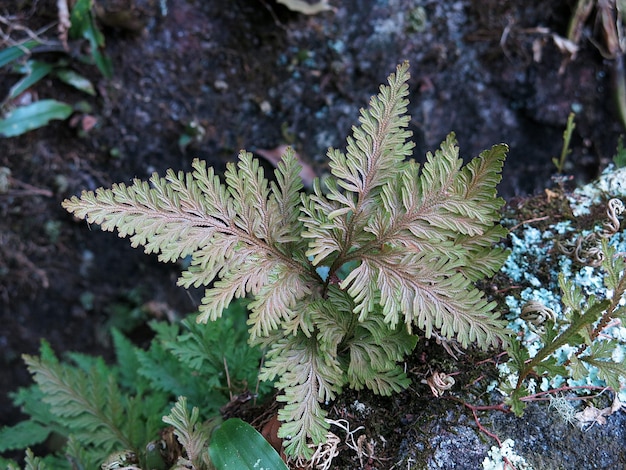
[[589, 317]]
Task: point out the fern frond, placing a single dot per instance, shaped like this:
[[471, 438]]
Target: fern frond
[[374, 155], [286, 197], [189, 431], [425, 291], [30, 462], [379, 144], [173, 216], [476, 185], [307, 379], [222, 227], [90, 405], [486, 257]]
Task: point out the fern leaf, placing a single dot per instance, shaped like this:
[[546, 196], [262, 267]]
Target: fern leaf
[[485, 259], [32, 463], [90, 405], [427, 292], [379, 144], [307, 379], [250, 190], [189, 431], [23, 434], [609, 371], [174, 216], [286, 197], [476, 185], [373, 156]]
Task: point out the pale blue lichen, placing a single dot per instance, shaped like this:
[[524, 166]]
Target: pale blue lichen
[[534, 265], [612, 183], [497, 455]]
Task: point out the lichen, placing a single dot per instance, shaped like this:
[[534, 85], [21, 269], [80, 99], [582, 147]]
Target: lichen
[[500, 457]]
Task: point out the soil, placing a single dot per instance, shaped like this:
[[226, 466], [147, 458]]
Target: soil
[[234, 74]]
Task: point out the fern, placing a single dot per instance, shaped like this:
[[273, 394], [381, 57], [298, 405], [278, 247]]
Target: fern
[[591, 351], [30, 463], [108, 410], [340, 278], [191, 434], [89, 404]]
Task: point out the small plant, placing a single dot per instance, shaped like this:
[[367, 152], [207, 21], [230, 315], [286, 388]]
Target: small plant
[[341, 278], [559, 163], [112, 414], [583, 346], [619, 159]]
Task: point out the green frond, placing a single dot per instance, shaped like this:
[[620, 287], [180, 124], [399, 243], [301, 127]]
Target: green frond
[[477, 183], [374, 352], [396, 343], [271, 280], [189, 430], [484, 258], [249, 190], [172, 216], [31, 462], [380, 143], [90, 405], [274, 303], [334, 320], [440, 170], [374, 156], [23, 434], [166, 373], [427, 292]]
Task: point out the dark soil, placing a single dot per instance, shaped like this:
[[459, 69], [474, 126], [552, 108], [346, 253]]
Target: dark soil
[[252, 74]]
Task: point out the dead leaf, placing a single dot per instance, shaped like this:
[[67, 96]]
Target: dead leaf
[[274, 156], [439, 382], [270, 433], [592, 415]]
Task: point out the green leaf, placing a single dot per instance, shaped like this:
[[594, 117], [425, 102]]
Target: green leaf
[[12, 53], [237, 445], [76, 80], [514, 400], [191, 433], [88, 403], [33, 116], [23, 434], [34, 71], [549, 366], [609, 371], [84, 25]]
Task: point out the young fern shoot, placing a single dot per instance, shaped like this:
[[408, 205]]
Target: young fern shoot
[[340, 278]]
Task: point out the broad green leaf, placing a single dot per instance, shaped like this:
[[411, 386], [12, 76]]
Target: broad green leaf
[[12, 53], [33, 116], [236, 444], [34, 71], [76, 80]]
